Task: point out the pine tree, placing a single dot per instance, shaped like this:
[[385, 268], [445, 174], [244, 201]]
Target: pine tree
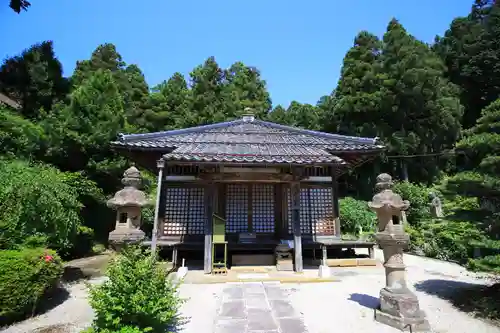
[[481, 144]]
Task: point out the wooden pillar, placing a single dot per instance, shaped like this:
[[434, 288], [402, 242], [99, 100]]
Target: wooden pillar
[[209, 210], [280, 230], [154, 237], [297, 235], [335, 198]]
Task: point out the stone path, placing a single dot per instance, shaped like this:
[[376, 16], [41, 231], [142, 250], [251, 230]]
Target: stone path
[[257, 307]]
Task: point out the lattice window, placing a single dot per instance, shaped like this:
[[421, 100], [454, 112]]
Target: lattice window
[[184, 211], [321, 204], [236, 208], [263, 208], [316, 211], [196, 224]]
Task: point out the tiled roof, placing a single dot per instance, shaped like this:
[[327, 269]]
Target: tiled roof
[[248, 140], [8, 101]]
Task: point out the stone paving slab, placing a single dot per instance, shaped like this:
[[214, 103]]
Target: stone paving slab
[[257, 307]]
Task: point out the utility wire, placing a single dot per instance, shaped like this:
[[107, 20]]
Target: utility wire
[[450, 153]]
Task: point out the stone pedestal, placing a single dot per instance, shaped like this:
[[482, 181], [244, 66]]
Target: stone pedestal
[[401, 310], [399, 306], [324, 271]]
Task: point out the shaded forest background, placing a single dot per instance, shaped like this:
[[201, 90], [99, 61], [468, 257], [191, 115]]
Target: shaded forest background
[[436, 107]]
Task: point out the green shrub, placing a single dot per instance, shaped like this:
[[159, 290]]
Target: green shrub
[[446, 240], [355, 215], [25, 275], [137, 294], [418, 196], [126, 329], [35, 201], [486, 264]]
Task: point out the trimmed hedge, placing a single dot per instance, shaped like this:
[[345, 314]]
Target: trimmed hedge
[[25, 276]]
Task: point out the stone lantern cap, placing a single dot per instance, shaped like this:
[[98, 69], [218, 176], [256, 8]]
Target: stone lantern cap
[[130, 195]]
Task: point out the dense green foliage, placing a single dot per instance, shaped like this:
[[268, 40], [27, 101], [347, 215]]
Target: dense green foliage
[[36, 201], [356, 217], [418, 196], [137, 295], [26, 275]]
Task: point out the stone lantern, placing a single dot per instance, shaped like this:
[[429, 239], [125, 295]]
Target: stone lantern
[[128, 204], [399, 306]]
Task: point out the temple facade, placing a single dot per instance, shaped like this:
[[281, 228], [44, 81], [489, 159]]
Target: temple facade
[[269, 183]]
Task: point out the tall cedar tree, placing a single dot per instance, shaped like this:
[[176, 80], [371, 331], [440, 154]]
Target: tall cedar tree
[[357, 100], [130, 80], [303, 115], [278, 115], [207, 94], [354, 107], [471, 50], [35, 79], [244, 88], [168, 104], [82, 130], [420, 109]]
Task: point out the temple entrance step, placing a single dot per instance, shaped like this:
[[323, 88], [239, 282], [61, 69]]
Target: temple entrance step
[[253, 260], [253, 269]]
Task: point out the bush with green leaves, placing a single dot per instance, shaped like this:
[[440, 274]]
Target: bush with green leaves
[[137, 294], [418, 196], [355, 215], [25, 276], [40, 202], [125, 329], [486, 264], [445, 239]]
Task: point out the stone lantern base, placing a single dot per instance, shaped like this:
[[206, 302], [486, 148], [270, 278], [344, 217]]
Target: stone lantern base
[[400, 309], [122, 236]]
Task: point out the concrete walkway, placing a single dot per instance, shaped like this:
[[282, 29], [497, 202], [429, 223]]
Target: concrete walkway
[[257, 307]]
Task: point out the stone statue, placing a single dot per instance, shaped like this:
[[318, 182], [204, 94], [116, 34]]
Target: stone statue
[[128, 203], [435, 205], [399, 306]]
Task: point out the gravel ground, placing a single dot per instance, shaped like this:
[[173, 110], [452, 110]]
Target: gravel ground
[[345, 306]]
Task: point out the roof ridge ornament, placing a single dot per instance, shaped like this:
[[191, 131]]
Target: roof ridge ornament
[[248, 115]]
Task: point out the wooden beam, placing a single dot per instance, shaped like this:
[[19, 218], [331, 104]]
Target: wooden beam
[[297, 235], [154, 236], [209, 209]]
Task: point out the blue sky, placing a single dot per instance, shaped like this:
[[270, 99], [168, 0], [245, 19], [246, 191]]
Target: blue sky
[[297, 45]]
